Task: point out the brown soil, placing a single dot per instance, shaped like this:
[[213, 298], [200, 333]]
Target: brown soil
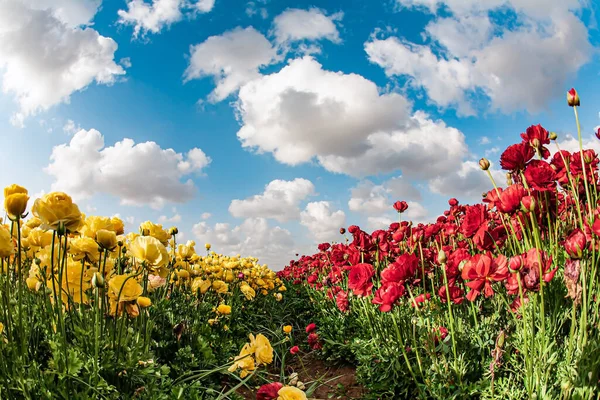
[[334, 381]]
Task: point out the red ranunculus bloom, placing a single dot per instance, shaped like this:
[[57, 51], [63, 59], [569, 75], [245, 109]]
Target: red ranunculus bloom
[[313, 341], [400, 206], [324, 246], [516, 156], [341, 300], [420, 299], [360, 279], [311, 327], [540, 176], [400, 270], [575, 243], [387, 295], [481, 271], [456, 294], [294, 350], [269, 391], [474, 218]]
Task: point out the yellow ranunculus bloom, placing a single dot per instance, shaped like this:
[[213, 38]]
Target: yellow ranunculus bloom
[[71, 288], [262, 349], [84, 248], [118, 225], [93, 224], [39, 238], [244, 361], [201, 285], [106, 239], [220, 286], [33, 284], [33, 222], [287, 329], [186, 251], [150, 229], [144, 302], [128, 288], [247, 291], [7, 247], [291, 393], [15, 200], [224, 309], [278, 296], [57, 208], [150, 250]]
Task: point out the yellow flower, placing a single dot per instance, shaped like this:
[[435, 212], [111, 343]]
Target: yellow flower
[[291, 393], [262, 349], [33, 284], [201, 285], [244, 361], [33, 222], [118, 225], [1, 328], [93, 224], [220, 287], [57, 208], [186, 251], [150, 229], [183, 274], [287, 329], [71, 288], [7, 247], [144, 302], [84, 248], [207, 246], [278, 296], [150, 250], [106, 239], [127, 286], [224, 309], [39, 238], [15, 200], [247, 291]]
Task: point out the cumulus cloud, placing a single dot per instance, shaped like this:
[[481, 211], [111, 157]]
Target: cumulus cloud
[[322, 222], [45, 55], [517, 67], [254, 237], [232, 58], [467, 180], [371, 199], [280, 200], [295, 24], [158, 14], [138, 174]]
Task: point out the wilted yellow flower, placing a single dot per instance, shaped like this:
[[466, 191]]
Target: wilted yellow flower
[[212, 321], [224, 309], [106, 239], [93, 224], [220, 287], [262, 349], [118, 225], [7, 247], [287, 329], [150, 250], [150, 229], [244, 361], [291, 393], [57, 208], [247, 291], [15, 200], [144, 302]]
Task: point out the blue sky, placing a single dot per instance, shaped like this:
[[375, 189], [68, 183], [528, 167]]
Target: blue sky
[[264, 126]]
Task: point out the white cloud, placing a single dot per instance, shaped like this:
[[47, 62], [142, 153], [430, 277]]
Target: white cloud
[[467, 181], [322, 222], [70, 127], [138, 174], [571, 143], [206, 215], [484, 140], [296, 25], [492, 151], [280, 200], [163, 219], [252, 238], [154, 16], [232, 58], [45, 56], [518, 67], [370, 199]]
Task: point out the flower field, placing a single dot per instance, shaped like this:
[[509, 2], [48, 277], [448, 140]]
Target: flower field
[[492, 300]]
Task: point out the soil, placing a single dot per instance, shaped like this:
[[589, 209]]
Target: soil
[[335, 381]]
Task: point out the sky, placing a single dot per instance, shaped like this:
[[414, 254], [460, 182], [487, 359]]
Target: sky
[[263, 127]]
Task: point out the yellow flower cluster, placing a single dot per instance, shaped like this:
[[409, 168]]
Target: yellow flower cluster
[[257, 352]]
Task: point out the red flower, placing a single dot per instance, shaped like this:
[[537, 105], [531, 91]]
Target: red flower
[[537, 137], [516, 156], [540, 176], [456, 294], [311, 327], [474, 218], [313, 341], [294, 350], [341, 299], [324, 246], [440, 333], [420, 299], [400, 206], [481, 271], [360, 279], [575, 244], [402, 269], [596, 227], [598, 132], [387, 295], [453, 202], [269, 391], [573, 98]]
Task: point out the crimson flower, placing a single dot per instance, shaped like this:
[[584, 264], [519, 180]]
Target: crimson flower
[[311, 327], [313, 341], [324, 246], [294, 350], [387, 295], [269, 391], [420, 299], [400, 270], [540, 175], [516, 156], [360, 279], [400, 206], [573, 98], [456, 294], [341, 300], [575, 243], [474, 218], [481, 271]]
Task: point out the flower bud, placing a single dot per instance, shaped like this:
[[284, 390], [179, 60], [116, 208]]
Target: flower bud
[[484, 164], [342, 231], [173, 231], [528, 204], [573, 98], [207, 246], [97, 280], [515, 263], [442, 257], [144, 302], [553, 136], [15, 201], [575, 244], [106, 239]]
